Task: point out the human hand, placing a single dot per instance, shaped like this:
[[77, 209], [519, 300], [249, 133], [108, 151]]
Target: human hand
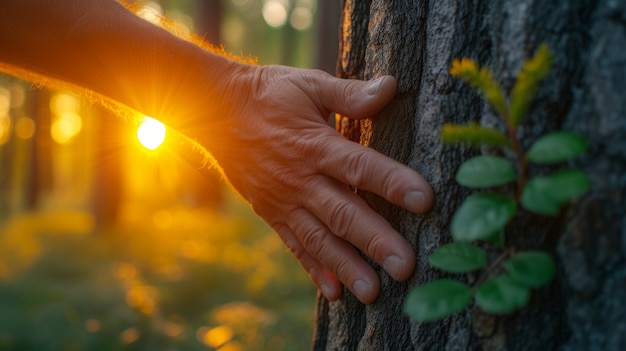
[[281, 156]]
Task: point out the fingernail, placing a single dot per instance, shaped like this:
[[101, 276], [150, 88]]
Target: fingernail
[[361, 289], [415, 201], [374, 86], [393, 265], [326, 291]]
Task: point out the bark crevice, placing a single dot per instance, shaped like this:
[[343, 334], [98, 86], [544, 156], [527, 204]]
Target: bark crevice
[[584, 308]]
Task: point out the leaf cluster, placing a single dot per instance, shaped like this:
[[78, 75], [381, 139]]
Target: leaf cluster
[[515, 106], [506, 282]]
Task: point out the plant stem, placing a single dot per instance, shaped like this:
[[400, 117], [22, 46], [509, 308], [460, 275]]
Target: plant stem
[[507, 253], [519, 154]]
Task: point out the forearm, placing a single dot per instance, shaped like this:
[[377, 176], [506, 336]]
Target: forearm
[[101, 46]]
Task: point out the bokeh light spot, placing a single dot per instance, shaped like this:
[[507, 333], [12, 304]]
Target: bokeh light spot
[[301, 18], [130, 335], [62, 103], [5, 128], [217, 336], [124, 271], [92, 325], [65, 127], [5, 101], [18, 96], [274, 13], [24, 128], [151, 133]]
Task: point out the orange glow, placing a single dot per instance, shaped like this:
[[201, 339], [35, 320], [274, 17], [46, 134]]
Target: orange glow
[[162, 220], [125, 271], [63, 102], [66, 127], [5, 101], [67, 123], [151, 12], [92, 325], [130, 335], [5, 128], [142, 298], [151, 133], [5, 121], [173, 329], [24, 128], [215, 337]]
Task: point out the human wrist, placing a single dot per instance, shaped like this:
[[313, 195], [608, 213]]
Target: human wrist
[[227, 93]]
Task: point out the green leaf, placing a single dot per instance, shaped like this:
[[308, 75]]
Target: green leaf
[[501, 294], [473, 134], [485, 171], [557, 147], [545, 195], [437, 300], [458, 257], [532, 268], [481, 216]]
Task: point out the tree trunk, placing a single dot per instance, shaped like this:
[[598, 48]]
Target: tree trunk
[[415, 41]]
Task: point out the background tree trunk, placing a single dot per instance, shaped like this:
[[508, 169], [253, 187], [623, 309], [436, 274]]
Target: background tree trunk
[[415, 41]]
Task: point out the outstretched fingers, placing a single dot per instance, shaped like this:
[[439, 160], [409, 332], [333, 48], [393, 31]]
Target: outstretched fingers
[[369, 170], [338, 255], [326, 281], [349, 217], [356, 165]]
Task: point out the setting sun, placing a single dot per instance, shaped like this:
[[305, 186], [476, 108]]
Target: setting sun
[[151, 133]]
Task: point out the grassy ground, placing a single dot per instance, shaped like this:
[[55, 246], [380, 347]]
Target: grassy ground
[[185, 280]]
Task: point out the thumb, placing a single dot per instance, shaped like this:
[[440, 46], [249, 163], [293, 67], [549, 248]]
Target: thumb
[[355, 98]]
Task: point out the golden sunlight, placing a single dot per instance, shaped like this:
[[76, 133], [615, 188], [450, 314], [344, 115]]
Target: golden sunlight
[[67, 123], [25, 127], [217, 336], [65, 127], [151, 133]]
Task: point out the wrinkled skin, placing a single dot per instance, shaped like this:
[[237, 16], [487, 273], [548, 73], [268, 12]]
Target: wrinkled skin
[[266, 126], [294, 170]]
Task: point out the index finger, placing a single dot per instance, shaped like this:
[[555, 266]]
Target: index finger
[[367, 169]]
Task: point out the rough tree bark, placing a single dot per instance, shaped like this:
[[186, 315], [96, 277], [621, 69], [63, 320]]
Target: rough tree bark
[[585, 307]]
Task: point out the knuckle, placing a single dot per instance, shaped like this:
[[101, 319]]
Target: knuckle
[[312, 238], [295, 247], [373, 246], [390, 186], [355, 167], [342, 268], [341, 216], [307, 145], [349, 90], [313, 76]]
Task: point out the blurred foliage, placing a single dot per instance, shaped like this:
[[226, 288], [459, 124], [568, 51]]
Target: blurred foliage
[[212, 281], [105, 245]]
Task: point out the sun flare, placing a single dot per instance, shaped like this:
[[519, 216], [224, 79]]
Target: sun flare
[[151, 133]]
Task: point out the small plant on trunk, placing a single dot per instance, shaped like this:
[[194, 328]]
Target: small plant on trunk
[[505, 282]]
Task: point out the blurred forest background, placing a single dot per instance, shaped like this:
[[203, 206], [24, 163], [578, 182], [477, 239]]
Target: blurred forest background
[[109, 242]]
